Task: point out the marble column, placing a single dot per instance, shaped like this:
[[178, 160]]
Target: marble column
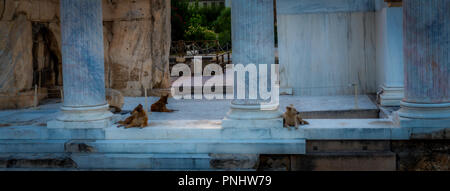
[[427, 64], [392, 69], [83, 66], [253, 46]]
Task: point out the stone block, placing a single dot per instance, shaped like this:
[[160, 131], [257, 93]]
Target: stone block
[[142, 161], [198, 146], [27, 161], [234, 161], [341, 161], [16, 64], [275, 163], [32, 146], [347, 146], [127, 10]]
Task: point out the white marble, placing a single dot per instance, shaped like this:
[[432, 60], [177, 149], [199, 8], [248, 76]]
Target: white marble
[[389, 35], [293, 7], [253, 44], [323, 54], [83, 66]]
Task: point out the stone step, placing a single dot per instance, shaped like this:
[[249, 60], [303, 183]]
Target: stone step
[[342, 114], [121, 161], [54, 92], [142, 161], [32, 146], [87, 161], [294, 146], [39, 160]]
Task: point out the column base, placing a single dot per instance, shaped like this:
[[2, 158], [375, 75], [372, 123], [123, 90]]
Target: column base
[[82, 118], [392, 96], [246, 116], [286, 91], [414, 115]]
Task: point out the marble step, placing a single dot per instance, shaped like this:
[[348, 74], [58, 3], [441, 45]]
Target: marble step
[[291, 146], [32, 146], [142, 161], [87, 161], [294, 146], [120, 161]]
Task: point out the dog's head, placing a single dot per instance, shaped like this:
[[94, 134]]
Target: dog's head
[[138, 108], [291, 110], [164, 99]]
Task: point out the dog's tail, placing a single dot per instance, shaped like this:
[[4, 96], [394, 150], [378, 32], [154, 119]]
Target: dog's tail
[[305, 122]]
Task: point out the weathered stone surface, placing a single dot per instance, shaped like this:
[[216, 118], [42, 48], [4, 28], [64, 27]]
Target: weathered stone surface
[[114, 98], [344, 161], [36, 160], [347, 146], [234, 161], [274, 163], [16, 66], [21, 100], [419, 155], [136, 42], [35, 10], [127, 10], [131, 63], [138, 52]]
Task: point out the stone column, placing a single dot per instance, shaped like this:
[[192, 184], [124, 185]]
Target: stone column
[[253, 45], [393, 57], [83, 66], [427, 64]]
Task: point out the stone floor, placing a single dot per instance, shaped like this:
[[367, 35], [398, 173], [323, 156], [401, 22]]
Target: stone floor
[[188, 109]]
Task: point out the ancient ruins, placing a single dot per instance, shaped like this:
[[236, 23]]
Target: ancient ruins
[[370, 77]]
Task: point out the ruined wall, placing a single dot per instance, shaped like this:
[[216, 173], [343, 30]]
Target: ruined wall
[[137, 42], [407, 155], [137, 45]]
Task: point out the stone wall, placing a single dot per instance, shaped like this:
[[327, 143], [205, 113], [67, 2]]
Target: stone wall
[[137, 43], [408, 155], [343, 155], [327, 45]]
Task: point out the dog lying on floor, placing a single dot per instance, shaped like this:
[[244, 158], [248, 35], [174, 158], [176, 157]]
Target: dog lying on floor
[[138, 118], [160, 105], [292, 118]]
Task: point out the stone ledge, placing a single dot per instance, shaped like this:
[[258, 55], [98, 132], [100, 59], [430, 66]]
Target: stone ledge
[[319, 129], [294, 146], [142, 161]]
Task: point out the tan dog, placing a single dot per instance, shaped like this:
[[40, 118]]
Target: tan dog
[[292, 118], [138, 118], [160, 105]]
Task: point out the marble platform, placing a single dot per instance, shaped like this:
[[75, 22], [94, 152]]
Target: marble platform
[[190, 139]]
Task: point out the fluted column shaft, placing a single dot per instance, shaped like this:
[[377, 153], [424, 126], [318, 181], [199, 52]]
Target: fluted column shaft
[[82, 53], [83, 66], [253, 46], [427, 62]]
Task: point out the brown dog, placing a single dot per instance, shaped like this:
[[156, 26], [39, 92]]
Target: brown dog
[[160, 105], [292, 118], [138, 118]]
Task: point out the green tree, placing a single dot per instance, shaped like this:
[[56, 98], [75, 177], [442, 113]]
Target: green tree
[[222, 26], [179, 17]]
